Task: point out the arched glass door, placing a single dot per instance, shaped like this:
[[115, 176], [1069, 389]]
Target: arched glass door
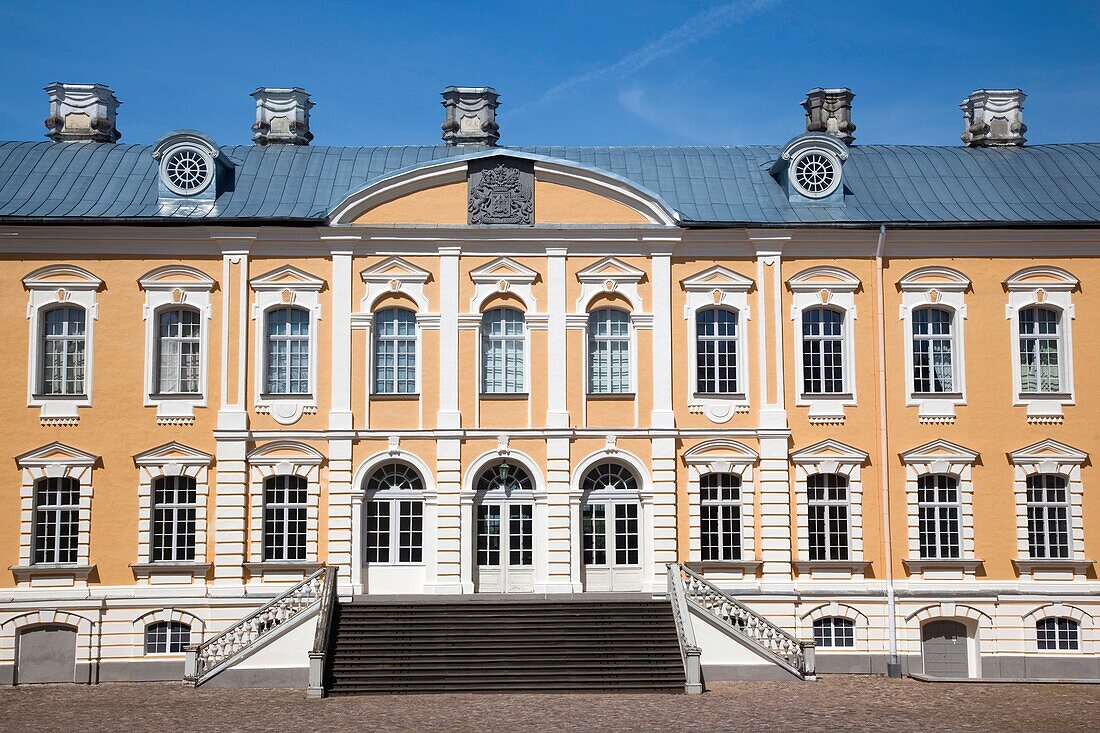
[[504, 514], [611, 528]]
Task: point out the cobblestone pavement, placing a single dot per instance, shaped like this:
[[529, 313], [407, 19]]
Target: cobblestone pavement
[[837, 703]]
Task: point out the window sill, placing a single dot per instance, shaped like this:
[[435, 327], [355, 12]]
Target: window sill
[[173, 568], [519, 396], [396, 396], [57, 397], [831, 569], [369, 564], [167, 396], [747, 567], [1052, 568], [942, 568], [281, 569], [305, 396], [612, 396], [731, 396], [808, 397], [53, 571]]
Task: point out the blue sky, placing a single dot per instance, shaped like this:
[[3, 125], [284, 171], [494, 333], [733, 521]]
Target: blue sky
[[580, 73]]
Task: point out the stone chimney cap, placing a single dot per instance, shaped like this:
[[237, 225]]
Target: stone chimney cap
[[282, 116], [829, 110], [82, 113], [994, 118], [470, 116]]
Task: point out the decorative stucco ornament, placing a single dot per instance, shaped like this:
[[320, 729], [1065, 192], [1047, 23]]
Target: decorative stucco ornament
[[501, 192]]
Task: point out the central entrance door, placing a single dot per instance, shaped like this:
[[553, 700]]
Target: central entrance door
[[611, 529], [505, 514], [945, 649]]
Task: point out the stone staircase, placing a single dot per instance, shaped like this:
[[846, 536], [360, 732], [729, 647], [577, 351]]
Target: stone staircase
[[544, 645]]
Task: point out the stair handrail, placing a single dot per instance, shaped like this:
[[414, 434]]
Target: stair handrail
[[690, 652], [325, 615], [205, 660], [795, 655]]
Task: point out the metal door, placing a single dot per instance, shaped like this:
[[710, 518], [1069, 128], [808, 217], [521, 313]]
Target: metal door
[[47, 654], [945, 649]]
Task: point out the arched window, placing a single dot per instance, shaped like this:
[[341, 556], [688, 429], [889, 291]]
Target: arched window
[[395, 351], [720, 516], [63, 351], [173, 518], [933, 351], [834, 632], [395, 515], [177, 351], [827, 499], [285, 513], [505, 516], [822, 351], [502, 349], [287, 351], [938, 517], [716, 351], [1040, 350], [1058, 634], [609, 515], [167, 637], [56, 520], [1048, 515], [609, 351]]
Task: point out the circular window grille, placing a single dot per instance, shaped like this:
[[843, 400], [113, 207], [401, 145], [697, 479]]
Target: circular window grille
[[815, 174], [395, 477], [609, 477], [504, 476], [187, 171]]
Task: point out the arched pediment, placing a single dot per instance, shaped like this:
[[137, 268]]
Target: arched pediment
[[824, 277], [170, 277], [1045, 277], [278, 451], [69, 277], [935, 278], [564, 192]]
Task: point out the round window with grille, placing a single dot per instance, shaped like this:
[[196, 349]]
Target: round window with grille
[[815, 174], [187, 171]]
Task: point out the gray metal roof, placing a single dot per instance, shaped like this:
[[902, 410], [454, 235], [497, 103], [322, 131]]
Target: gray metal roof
[[1041, 184]]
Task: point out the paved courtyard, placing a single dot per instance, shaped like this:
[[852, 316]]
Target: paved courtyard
[[863, 704]]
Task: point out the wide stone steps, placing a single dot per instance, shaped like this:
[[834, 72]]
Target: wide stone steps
[[504, 646]]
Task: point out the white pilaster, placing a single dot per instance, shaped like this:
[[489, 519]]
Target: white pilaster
[[230, 514], [340, 549], [663, 512], [340, 416], [563, 575], [662, 415], [449, 572], [557, 367], [448, 416]]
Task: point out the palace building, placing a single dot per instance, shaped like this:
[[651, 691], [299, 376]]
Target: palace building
[[826, 404]]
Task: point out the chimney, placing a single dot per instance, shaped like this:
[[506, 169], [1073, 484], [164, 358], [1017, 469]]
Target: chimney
[[994, 118], [282, 116], [830, 111], [82, 113], [471, 116]]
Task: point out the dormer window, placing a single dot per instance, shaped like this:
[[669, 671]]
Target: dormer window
[[187, 170], [811, 167]]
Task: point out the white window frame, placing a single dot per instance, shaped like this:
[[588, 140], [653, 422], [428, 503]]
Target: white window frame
[[525, 343], [1050, 457], [1088, 632], [732, 457], [718, 287], [941, 457], [170, 623], [835, 609], [282, 458], [375, 339], [48, 287], [168, 287], [141, 623], [283, 287], [54, 460], [830, 457], [171, 459], [394, 497], [945, 288], [830, 287], [632, 354], [1043, 286], [611, 498]]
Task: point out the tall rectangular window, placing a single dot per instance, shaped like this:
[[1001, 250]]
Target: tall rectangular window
[[609, 351], [56, 520], [520, 534], [288, 351], [1040, 350], [395, 351], [822, 351], [488, 535], [594, 526], [720, 516], [173, 519], [1048, 516], [285, 512], [716, 351], [939, 517], [63, 351], [626, 533], [502, 349], [178, 344], [827, 497], [378, 531], [933, 351]]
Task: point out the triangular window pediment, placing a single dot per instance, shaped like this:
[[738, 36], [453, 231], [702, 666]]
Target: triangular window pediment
[[610, 268], [503, 268], [395, 268], [939, 450], [718, 278], [829, 450], [56, 453], [289, 277], [173, 453]]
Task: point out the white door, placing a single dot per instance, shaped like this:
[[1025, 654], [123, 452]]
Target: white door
[[611, 545], [504, 556]]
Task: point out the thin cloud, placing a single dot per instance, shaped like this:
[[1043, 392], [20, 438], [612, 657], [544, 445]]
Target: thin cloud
[[696, 28]]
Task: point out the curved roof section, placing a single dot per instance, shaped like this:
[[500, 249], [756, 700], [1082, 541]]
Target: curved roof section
[[1042, 184]]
